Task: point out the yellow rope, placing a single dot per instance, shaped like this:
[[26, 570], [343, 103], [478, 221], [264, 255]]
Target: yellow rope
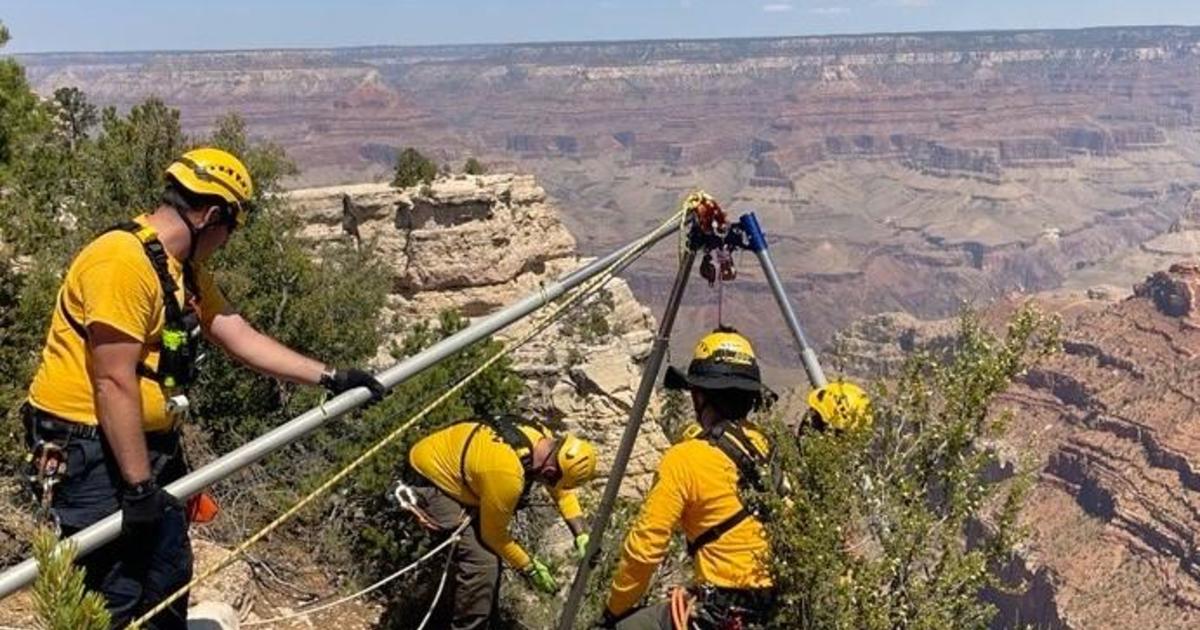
[[575, 297]]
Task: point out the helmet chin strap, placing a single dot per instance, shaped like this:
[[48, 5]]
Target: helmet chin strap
[[194, 233]]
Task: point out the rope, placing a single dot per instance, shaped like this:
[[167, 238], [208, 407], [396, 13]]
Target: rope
[[720, 300], [682, 606], [454, 537], [580, 293], [437, 597]]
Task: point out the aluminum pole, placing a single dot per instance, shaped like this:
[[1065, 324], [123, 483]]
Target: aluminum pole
[[758, 244], [107, 529], [621, 461]]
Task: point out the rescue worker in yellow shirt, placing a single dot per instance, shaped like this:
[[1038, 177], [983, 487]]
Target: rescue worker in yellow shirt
[[702, 484], [108, 398], [483, 469]]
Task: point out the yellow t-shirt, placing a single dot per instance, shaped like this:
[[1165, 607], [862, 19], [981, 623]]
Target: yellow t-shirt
[[111, 281], [495, 480], [696, 489]]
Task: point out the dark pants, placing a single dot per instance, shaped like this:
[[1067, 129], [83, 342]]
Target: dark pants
[[652, 617], [133, 575], [715, 609], [469, 601]]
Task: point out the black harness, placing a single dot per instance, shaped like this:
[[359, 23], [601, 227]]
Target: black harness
[[753, 479], [505, 428], [180, 339]]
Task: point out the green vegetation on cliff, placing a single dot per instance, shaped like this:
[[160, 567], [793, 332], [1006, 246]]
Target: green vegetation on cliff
[[892, 528]]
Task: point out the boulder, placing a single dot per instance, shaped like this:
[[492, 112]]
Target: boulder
[[212, 616]]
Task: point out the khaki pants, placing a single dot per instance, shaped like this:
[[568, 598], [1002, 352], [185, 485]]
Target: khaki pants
[[469, 601]]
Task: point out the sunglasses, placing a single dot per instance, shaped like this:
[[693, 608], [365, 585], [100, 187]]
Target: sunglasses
[[239, 216]]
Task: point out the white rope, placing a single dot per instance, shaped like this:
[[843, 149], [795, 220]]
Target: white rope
[[338, 602], [438, 596]]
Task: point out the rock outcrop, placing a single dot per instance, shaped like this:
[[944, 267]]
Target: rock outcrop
[[876, 346], [1174, 292], [477, 243]]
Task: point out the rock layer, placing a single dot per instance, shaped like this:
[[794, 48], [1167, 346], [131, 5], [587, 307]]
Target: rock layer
[[1111, 423], [893, 172], [477, 243]]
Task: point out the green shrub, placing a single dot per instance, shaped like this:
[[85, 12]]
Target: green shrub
[[474, 167], [590, 322], [413, 168], [385, 537], [60, 600], [677, 413], [875, 532]]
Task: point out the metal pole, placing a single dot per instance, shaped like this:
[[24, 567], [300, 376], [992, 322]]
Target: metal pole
[[758, 244], [107, 529], [621, 461]]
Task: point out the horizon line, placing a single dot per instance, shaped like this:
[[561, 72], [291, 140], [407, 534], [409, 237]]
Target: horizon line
[[601, 42]]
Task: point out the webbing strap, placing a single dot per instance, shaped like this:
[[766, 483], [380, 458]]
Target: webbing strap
[[462, 460], [69, 318], [158, 260], [157, 254], [716, 531], [723, 436], [505, 428]]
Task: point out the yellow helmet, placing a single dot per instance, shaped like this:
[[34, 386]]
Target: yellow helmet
[[723, 359], [576, 460], [841, 405], [210, 171]]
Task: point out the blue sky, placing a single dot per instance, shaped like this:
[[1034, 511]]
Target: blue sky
[[60, 25]]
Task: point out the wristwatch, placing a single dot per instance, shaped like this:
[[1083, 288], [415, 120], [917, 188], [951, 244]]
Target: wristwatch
[[326, 380], [141, 489]]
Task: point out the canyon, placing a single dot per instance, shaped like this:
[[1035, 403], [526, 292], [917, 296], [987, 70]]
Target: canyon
[[1106, 428], [899, 177], [906, 172]]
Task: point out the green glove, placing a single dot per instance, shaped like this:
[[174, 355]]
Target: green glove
[[581, 543], [539, 575]]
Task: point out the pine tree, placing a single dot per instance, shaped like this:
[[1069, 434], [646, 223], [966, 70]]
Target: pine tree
[[413, 168], [474, 167], [60, 600]]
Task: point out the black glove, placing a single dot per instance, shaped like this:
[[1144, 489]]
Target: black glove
[[609, 620], [143, 507], [344, 379]]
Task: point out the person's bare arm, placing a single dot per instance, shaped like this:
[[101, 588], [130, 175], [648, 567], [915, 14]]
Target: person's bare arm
[[260, 352], [113, 370]]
